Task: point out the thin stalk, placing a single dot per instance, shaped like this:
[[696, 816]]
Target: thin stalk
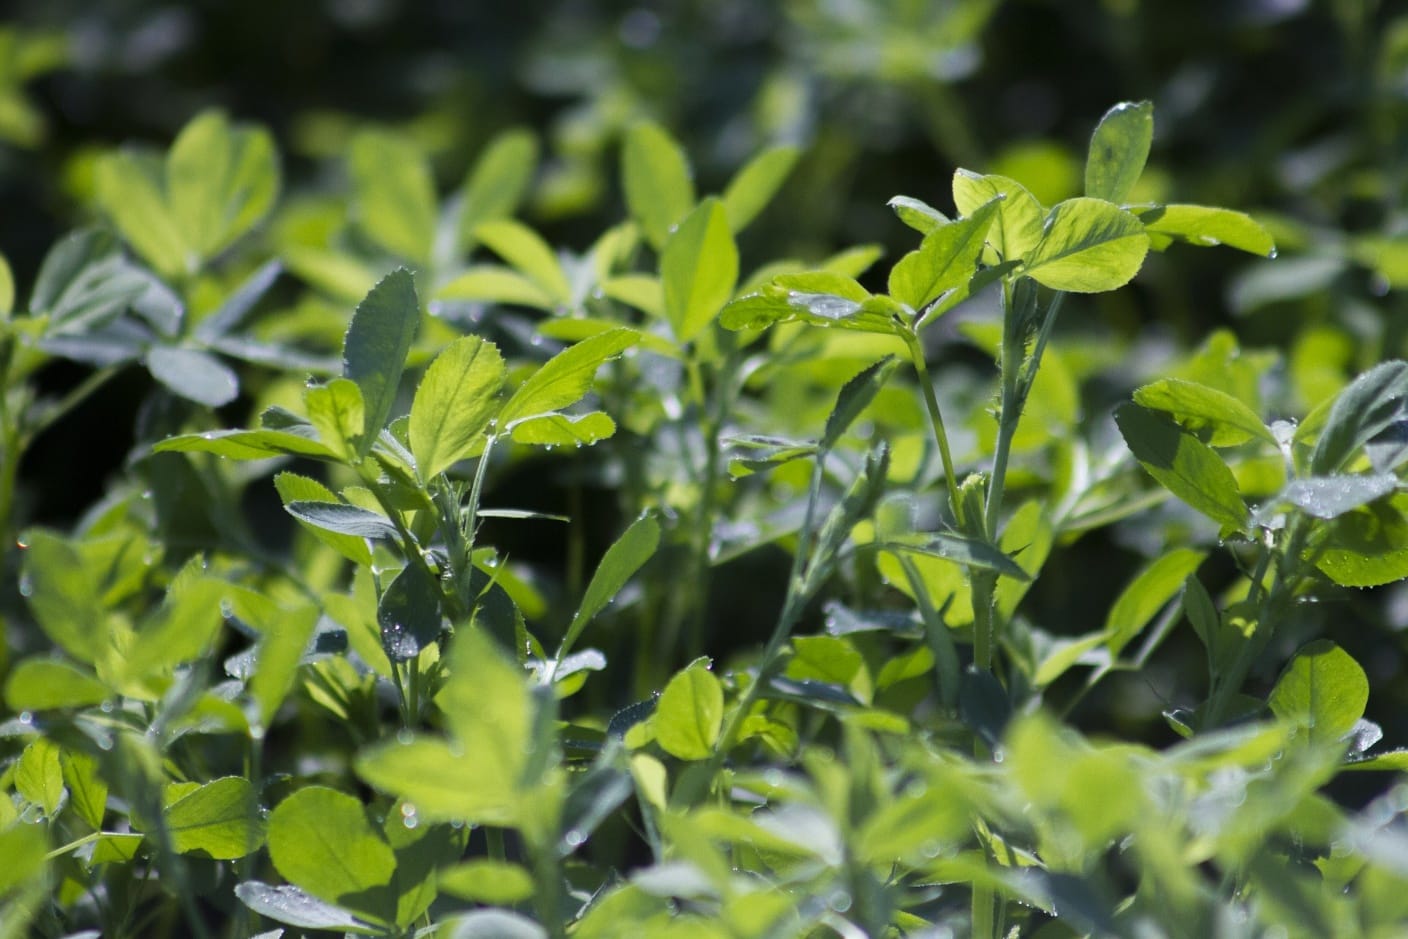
[[936, 417]]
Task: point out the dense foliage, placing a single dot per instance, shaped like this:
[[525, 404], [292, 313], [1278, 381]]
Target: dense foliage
[[430, 527]]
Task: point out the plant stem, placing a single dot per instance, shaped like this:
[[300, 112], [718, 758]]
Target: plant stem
[[936, 417]]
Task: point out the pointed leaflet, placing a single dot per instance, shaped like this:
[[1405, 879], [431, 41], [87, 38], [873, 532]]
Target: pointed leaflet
[[529, 254], [393, 194], [1370, 404], [854, 398], [1019, 217], [626, 556], [1206, 226], [560, 430], [374, 352], [917, 214], [1118, 150], [1324, 688], [238, 303], [219, 819], [1198, 407], [1153, 587], [295, 907], [343, 519], [565, 378], [1182, 464], [454, 403], [1088, 246], [338, 412], [221, 180], [699, 269], [947, 259], [753, 187], [656, 178], [498, 182], [128, 190], [408, 613], [323, 841]]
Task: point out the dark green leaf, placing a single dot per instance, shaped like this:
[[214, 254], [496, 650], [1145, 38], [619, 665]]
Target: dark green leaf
[[1366, 547], [344, 519], [1182, 464], [374, 351], [856, 395], [1118, 150], [84, 283], [408, 613], [1366, 408], [294, 488], [246, 444]]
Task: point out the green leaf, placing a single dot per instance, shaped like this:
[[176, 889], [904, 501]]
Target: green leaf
[[529, 254], [245, 444], [1367, 547], [1088, 246], [409, 613], [658, 185], [689, 715], [295, 488], [393, 194], [946, 260], [42, 684], [453, 405], [1323, 688], [494, 284], [495, 187], [1118, 150], [918, 215], [1207, 227], [88, 794], [754, 186], [193, 374], [560, 430], [182, 628], [1018, 227], [7, 289], [24, 848], [377, 343], [1150, 590], [1369, 405], [63, 595], [1182, 464], [565, 378], [221, 180], [494, 924], [487, 881], [1200, 408], [970, 552], [237, 304], [443, 782], [129, 191], [338, 412], [855, 396], [622, 560], [279, 654], [39, 775], [220, 819], [698, 269], [295, 907], [84, 283], [324, 842]]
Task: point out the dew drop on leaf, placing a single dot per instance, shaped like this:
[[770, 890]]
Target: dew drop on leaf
[[26, 586], [574, 837], [840, 901], [26, 718], [404, 736], [21, 543]]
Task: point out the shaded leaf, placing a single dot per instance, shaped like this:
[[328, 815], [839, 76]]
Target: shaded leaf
[[220, 819], [408, 613], [377, 342], [1324, 688], [193, 374], [1182, 464], [1118, 150]]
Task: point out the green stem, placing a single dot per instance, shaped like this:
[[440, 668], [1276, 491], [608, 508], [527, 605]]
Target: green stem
[[936, 417]]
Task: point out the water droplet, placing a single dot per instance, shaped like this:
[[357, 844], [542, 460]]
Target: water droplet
[[105, 742], [1379, 285], [404, 736], [1273, 253], [106, 707], [256, 733], [840, 901], [21, 543], [931, 849], [26, 586], [26, 718], [574, 838], [536, 341]]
